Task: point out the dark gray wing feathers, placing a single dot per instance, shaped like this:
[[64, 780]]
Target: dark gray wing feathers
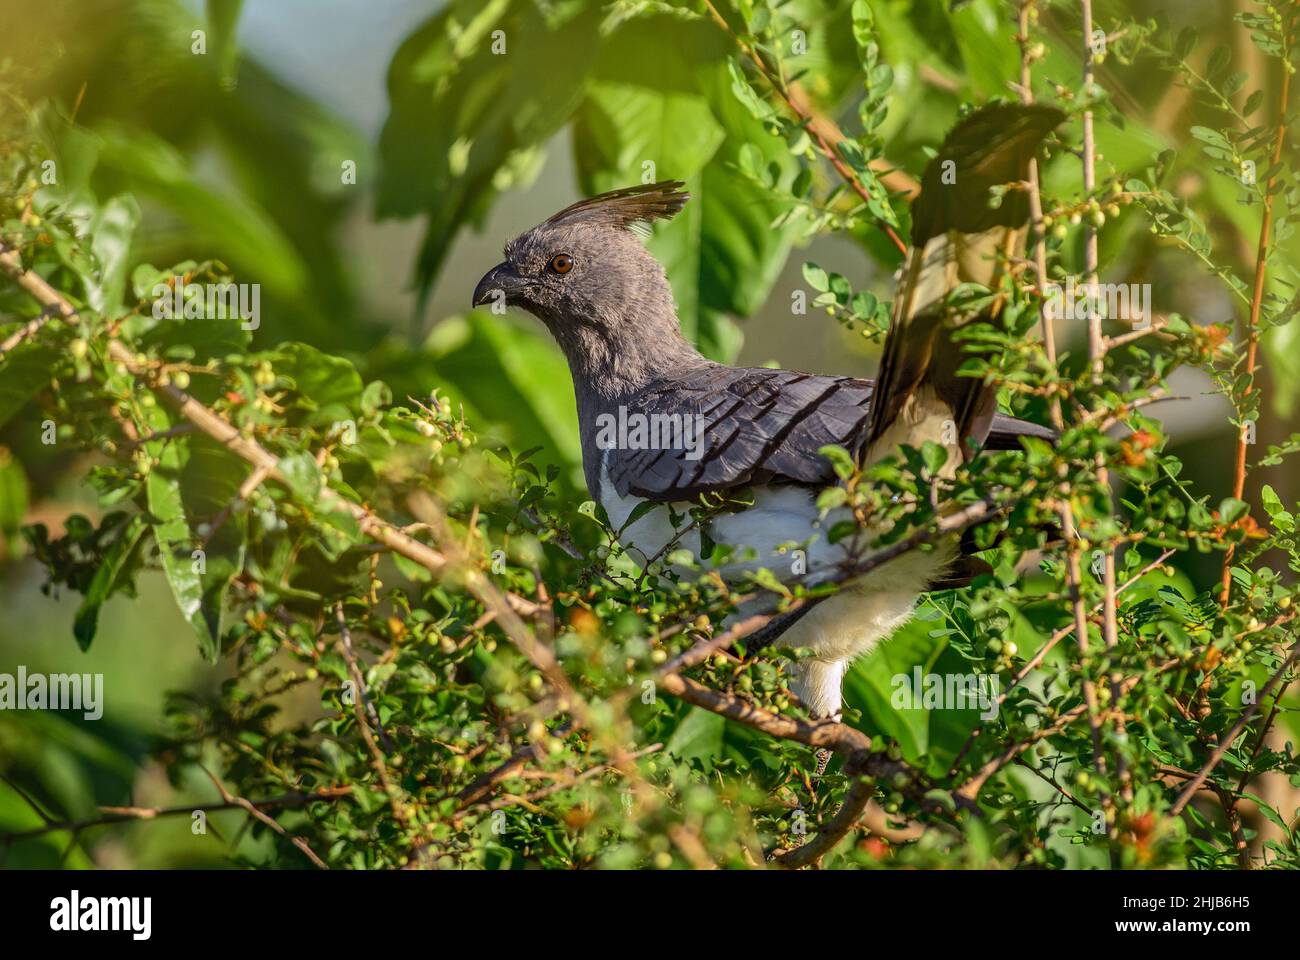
[[760, 426]]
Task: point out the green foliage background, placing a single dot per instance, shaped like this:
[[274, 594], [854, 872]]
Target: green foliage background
[[220, 164]]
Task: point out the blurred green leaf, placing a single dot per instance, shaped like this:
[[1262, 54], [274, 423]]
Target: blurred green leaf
[[494, 111], [111, 230], [23, 371], [112, 574], [223, 18]]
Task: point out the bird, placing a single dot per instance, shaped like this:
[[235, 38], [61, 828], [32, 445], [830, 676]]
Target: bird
[[754, 435]]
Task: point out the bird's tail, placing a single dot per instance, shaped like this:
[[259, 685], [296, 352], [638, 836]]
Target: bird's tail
[[957, 237]]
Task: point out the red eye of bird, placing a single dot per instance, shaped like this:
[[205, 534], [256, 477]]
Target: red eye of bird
[[561, 263]]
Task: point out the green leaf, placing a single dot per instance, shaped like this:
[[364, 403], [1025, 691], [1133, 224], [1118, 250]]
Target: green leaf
[[209, 484], [935, 457], [1231, 510], [208, 339], [330, 384], [375, 397], [623, 126], [513, 374], [869, 685], [198, 581], [181, 569], [111, 230], [13, 494], [832, 497], [302, 475], [223, 18], [816, 277], [412, 570], [1212, 137], [495, 111], [1282, 519], [632, 118], [233, 226], [722, 253], [698, 737], [1269, 813], [639, 511], [841, 460], [110, 575], [990, 62], [75, 152], [23, 372]]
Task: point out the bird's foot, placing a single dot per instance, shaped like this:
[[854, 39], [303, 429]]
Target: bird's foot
[[823, 755], [823, 760]]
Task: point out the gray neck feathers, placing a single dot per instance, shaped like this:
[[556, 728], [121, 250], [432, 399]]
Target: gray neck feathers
[[633, 341], [611, 363]]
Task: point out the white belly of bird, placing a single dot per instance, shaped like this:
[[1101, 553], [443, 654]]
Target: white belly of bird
[[837, 630]]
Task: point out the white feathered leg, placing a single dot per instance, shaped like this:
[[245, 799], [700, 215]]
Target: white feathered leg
[[817, 683]]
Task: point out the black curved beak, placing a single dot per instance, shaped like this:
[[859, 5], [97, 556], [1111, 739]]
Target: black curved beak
[[502, 277]]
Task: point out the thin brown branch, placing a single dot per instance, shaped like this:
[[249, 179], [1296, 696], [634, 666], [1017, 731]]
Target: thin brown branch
[[971, 788], [268, 820], [30, 329], [1256, 304], [215, 426], [824, 133], [562, 782], [116, 815], [760, 629], [1069, 797], [1121, 339], [363, 696], [1226, 742], [496, 601], [1097, 349], [1074, 578], [1041, 654], [853, 745], [855, 801]]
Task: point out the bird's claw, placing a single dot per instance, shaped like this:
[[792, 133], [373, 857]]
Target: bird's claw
[[823, 760]]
